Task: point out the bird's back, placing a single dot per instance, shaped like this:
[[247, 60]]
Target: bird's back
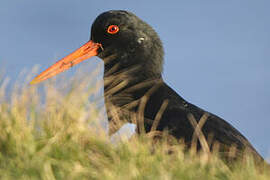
[[176, 119]]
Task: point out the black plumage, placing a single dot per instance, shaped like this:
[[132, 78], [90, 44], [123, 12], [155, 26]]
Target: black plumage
[[133, 60]]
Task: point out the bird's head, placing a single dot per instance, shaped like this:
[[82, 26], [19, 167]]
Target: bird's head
[[121, 35]]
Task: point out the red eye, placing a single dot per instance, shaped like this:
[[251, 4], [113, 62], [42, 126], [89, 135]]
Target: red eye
[[112, 29]]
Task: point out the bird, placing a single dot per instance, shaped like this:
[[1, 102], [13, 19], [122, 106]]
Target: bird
[[135, 91]]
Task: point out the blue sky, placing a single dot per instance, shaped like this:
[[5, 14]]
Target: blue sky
[[217, 53]]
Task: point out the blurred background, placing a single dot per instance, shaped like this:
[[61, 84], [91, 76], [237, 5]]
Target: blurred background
[[216, 52]]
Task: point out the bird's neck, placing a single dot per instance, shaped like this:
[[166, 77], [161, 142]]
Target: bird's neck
[[124, 71], [124, 87], [127, 85]]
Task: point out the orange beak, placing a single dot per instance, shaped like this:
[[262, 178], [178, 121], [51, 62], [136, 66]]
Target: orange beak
[[88, 50]]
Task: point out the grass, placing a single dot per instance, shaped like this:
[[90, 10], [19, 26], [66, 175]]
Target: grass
[[55, 132]]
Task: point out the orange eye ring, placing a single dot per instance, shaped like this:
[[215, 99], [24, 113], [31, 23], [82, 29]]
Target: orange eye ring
[[113, 29]]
